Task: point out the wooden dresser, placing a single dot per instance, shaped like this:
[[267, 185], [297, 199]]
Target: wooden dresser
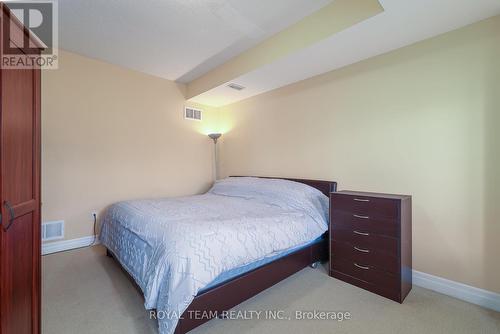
[[370, 242]]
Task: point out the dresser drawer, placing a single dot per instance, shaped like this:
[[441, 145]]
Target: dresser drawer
[[365, 255], [383, 280], [394, 294], [368, 224], [365, 240], [366, 206]]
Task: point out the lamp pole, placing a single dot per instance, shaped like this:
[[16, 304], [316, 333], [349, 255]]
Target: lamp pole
[[215, 137]]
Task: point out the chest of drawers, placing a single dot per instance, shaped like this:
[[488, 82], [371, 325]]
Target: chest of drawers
[[370, 242]]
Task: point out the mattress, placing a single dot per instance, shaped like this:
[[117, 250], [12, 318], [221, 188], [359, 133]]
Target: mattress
[[233, 273]]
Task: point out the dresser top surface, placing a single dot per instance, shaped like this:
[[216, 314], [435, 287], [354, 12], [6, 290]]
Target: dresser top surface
[[370, 194]]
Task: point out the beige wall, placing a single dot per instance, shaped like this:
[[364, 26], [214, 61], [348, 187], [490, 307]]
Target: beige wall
[[423, 120], [111, 134]]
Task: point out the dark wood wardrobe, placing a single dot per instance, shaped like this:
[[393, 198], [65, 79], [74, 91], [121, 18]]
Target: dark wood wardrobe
[[20, 248]]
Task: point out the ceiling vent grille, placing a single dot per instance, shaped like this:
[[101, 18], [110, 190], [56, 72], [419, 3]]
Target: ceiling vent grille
[[53, 230], [235, 86], [193, 114]]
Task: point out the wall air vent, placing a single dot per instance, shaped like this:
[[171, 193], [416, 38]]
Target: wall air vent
[[193, 114], [235, 86], [53, 230]]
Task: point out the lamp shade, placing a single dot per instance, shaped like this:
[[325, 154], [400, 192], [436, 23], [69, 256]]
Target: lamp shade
[[215, 136]]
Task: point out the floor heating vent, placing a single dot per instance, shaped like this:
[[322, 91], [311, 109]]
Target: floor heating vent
[[53, 230]]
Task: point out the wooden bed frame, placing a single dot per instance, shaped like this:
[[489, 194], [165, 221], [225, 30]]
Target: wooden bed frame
[[225, 296]]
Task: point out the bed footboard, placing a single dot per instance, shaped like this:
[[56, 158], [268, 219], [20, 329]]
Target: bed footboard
[[229, 294]]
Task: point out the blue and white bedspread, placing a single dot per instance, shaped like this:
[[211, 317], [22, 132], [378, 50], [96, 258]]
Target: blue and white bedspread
[[175, 247]]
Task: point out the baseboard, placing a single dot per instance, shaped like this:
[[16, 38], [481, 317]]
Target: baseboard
[[64, 245], [484, 298]]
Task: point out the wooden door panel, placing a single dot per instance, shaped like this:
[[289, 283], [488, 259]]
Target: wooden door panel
[[18, 283], [20, 202], [17, 136]]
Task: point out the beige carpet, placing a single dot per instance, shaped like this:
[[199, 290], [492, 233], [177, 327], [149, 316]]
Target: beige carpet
[[86, 292]]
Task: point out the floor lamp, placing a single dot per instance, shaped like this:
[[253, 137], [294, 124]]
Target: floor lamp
[[215, 137]]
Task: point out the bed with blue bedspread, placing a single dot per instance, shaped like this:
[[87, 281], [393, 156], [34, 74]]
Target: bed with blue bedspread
[[177, 248]]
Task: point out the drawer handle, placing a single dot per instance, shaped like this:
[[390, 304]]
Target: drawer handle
[[361, 200], [361, 267], [361, 217], [362, 250], [361, 233]]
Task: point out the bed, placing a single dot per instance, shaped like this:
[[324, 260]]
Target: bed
[[198, 256]]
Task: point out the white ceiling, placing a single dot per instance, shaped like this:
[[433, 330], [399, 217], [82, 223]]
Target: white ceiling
[[184, 39], [174, 39], [403, 22]]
